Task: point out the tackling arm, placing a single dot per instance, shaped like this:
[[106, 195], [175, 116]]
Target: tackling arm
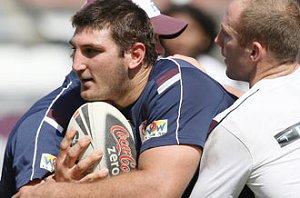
[[162, 172]]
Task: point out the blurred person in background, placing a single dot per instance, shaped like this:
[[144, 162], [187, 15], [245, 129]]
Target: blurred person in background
[[163, 4], [197, 41], [215, 8]]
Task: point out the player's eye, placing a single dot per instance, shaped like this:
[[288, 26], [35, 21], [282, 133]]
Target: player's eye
[[225, 35], [90, 52]]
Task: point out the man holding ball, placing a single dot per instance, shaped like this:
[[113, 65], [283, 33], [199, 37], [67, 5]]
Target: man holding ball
[[169, 102]]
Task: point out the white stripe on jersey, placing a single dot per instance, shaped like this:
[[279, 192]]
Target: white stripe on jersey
[[181, 98], [168, 83], [39, 129], [54, 124]]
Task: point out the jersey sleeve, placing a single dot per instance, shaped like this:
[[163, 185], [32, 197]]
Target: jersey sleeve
[[34, 142], [181, 107], [30, 151], [224, 168], [35, 148]]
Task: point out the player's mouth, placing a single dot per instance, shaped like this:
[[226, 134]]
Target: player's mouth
[[86, 81]]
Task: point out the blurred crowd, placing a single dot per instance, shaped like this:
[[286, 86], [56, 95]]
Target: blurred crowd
[[35, 53]]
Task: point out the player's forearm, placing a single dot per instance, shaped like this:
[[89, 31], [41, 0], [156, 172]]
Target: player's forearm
[[163, 172], [134, 184]]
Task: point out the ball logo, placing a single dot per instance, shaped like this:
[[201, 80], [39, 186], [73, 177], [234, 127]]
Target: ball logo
[[121, 135], [110, 131], [120, 149]]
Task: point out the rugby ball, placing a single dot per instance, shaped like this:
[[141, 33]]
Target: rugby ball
[[110, 131]]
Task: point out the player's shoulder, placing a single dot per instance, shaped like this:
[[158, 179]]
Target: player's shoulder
[[169, 66], [238, 119], [56, 105], [167, 71], [175, 62]]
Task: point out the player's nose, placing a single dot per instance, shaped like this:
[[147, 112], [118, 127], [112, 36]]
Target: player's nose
[[78, 63]]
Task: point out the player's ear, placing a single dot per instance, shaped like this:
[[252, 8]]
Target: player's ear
[[256, 51], [136, 55]]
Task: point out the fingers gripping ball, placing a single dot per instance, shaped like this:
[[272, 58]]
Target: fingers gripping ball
[[110, 131]]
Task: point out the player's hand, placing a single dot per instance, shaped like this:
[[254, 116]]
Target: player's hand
[[69, 169], [190, 60]]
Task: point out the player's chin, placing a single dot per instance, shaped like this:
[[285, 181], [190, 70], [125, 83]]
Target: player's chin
[[92, 95], [88, 95]]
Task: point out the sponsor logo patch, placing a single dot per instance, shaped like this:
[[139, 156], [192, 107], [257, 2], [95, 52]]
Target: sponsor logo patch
[[288, 135], [48, 162], [155, 129]]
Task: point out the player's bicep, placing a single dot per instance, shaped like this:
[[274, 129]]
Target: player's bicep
[[172, 166]]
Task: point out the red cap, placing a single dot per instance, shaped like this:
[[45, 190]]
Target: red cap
[[165, 26]]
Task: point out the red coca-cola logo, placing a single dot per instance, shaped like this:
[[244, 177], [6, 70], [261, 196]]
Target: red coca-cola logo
[[120, 135]]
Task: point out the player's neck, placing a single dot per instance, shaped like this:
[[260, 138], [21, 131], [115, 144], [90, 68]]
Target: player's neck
[[136, 86], [274, 71]]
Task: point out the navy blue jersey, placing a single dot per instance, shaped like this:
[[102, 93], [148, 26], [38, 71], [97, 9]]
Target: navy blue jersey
[[176, 107], [33, 144]]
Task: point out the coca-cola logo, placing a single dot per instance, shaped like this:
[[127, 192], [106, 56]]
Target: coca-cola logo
[[120, 135]]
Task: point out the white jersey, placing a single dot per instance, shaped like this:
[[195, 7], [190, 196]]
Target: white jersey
[[257, 142]]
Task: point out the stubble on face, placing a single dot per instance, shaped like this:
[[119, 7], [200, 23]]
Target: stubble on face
[[104, 76], [110, 86]]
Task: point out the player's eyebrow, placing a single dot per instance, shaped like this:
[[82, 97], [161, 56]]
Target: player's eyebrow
[[228, 29], [92, 45]]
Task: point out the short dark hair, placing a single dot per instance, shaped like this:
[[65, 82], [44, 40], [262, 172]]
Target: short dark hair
[[127, 22]]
